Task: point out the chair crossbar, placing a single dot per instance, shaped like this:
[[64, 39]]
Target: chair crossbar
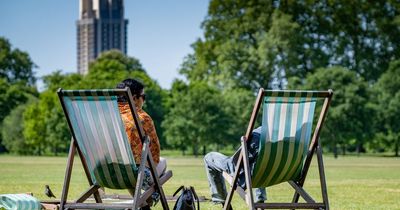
[[297, 93], [289, 205]]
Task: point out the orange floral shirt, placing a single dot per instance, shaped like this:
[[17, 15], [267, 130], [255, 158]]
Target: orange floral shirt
[[133, 135]]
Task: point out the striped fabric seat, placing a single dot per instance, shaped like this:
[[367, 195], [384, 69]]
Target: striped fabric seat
[[287, 119], [18, 202], [101, 137], [287, 144]]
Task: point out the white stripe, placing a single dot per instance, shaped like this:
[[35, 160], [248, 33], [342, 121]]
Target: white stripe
[[305, 118], [109, 145], [117, 129], [92, 141], [299, 157], [116, 117], [292, 136], [279, 141], [264, 161], [13, 201], [82, 132]]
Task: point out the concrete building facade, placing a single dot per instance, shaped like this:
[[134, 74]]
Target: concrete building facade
[[101, 27]]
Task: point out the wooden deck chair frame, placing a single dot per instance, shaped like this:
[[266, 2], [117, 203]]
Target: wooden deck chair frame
[[243, 163], [139, 198]]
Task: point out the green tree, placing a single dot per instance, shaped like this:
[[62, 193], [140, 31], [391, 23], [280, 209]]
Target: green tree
[[15, 65], [238, 105], [12, 132], [46, 129], [349, 114], [112, 67], [196, 117], [35, 128], [388, 106], [250, 43], [16, 79], [246, 44], [359, 35]]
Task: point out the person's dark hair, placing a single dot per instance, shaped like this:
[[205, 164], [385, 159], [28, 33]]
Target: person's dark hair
[[134, 86]]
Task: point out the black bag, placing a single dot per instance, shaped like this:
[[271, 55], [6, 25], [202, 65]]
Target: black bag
[[187, 198]]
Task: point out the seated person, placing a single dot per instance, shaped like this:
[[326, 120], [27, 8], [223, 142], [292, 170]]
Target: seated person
[[216, 163], [137, 91]]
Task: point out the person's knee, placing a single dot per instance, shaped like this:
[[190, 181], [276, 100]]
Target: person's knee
[[209, 157], [162, 166]]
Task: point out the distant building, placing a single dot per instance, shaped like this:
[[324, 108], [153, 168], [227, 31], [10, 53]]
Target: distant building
[[101, 26]]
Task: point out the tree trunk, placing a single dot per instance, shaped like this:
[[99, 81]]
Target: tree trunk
[[343, 149], [335, 148], [335, 151], [396, 149], [39, 150], [195, 150], [204, 150]]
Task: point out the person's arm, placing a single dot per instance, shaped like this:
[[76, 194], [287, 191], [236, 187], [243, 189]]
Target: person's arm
[[150, 130]]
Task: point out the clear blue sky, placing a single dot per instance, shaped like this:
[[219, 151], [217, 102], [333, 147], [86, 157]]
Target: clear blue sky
[[159, 33]]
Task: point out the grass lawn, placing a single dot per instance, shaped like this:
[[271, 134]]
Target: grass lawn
[[353, 182]]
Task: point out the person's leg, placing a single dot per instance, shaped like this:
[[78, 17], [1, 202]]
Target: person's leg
[[260, 195], [161, 166], [215, 164]]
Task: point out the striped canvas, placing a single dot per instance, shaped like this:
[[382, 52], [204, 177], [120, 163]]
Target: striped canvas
[[101, 136], [286, 131], [18, 202]]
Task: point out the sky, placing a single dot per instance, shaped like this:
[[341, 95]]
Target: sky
[[159, 33]]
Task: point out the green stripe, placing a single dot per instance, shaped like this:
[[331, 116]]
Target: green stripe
[[299, 145], [282, 159], [274, 143], [123, 145], [101, 136], [122, 170], [279, 139], [257, 173], [291, 132], [97, 170], [118, 179], [109, 171], [263, 157], [92, 146], [74, 116], [286, 141], [297, 141]]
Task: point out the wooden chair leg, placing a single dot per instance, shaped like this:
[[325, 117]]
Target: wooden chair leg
[[139, 181], [227, 204], [157, 184], [246, 165], [324, 190], [68, 171]]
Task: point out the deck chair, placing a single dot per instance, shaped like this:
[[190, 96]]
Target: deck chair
[[286, 147], [99, 137]]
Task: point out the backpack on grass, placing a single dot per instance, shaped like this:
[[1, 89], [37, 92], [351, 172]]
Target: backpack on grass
[[186, 200]]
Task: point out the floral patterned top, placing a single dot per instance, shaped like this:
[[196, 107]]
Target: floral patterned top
[[133, 135]]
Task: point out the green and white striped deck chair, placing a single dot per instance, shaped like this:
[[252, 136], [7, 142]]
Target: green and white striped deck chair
[[287, 144], [19, 202], [99, 137]]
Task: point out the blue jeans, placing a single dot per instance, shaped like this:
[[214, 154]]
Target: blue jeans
[[215, 164]]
